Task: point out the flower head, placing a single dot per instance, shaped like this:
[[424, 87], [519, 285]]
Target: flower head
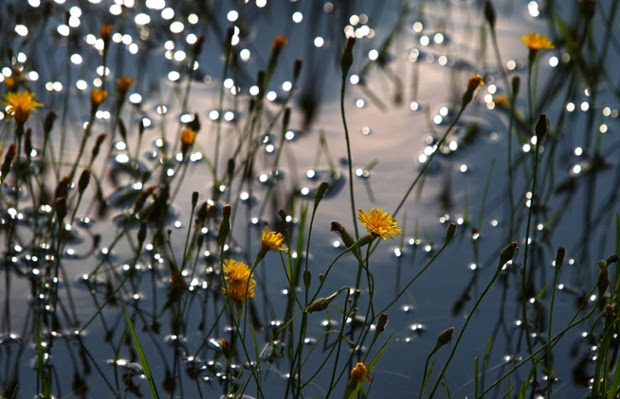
[[239, 282], [123, 84], [106, 33], [188, 136], [278, 42], [536, 41], [97, 96], [271, 240], [474, 82], [379, 223], [19, 104], [359, 372]]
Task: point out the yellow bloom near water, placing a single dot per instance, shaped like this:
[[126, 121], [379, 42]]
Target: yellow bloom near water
[[271, 240], [239, 283], [19, 104], [536, 41], [379, 223], [360, 372], [97, 96], [188, 136]]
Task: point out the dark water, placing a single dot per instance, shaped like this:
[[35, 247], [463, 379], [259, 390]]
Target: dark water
[[402, 95]]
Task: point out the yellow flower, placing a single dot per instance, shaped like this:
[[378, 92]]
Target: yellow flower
[[536, 41], [271, 240], [188, 136], [239, 283], [379, 223], [123, 84], [359, 372], [19, 104], [97, 96]]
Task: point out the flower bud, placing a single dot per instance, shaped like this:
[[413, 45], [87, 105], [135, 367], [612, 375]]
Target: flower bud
[[489, 13], [542, 126], [61, 208], [321, 303], [473, 83], [28, 142], [100, 139], [450, 232], [516, 83], [48, 122], [320, 192], [382, 322], [347, 56], [444, 338], [142, 233], [508, 253], [84, 180], [307, 278], [8, 159], [347, 239], [225, 225], [297, 68], [195, 195], [559, 258]]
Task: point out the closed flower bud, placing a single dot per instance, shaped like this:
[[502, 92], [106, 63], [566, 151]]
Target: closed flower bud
[[347, 56], [142, 233], [84, 180], [197, 47], [61, 187], [8, 159], [225, 225], [603, 277], [450, 231], [559, 258], [297, 68], [230, 168], [382, 322], [542, 126], [347, 239], [320, 192], [61, 208], [444, 338], [508, 253], [100, 139], [48, 122], [489, 13], [321, 303], [227, 349], [516, 84]]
